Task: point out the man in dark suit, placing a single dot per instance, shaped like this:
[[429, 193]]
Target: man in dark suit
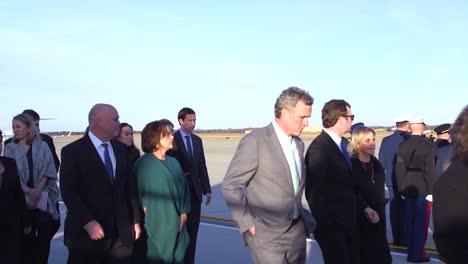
[[330, 188], [100, 193], [387, 157], [191, 156], [443, 148], [46, 138], [415, 175], [269, 163]]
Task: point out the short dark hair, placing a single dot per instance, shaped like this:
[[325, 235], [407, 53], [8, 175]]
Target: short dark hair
[[33, 114], [332, 110], [122, 125], [152, 134], [401, 124], [184, 112]]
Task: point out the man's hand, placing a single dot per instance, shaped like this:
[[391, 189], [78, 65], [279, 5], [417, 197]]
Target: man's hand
[[137, 230], [94, 230], [372, 215], [252, 230], [208, 198], [389, 192]]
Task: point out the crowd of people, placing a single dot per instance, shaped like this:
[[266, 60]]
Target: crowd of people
[[121, 208], [124, 207]]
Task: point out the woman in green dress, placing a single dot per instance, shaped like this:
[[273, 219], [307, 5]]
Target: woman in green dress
[[164, 195]]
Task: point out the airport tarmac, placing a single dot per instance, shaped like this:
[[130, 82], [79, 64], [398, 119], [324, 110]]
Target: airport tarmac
[[219, 150]]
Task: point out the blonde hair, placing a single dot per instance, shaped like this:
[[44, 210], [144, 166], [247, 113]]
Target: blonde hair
[[357, 137], [29, 123]]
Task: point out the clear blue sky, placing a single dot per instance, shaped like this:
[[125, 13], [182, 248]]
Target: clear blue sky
[[229, 60]]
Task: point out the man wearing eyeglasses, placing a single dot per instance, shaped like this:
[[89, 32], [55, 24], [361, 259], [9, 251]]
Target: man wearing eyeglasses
[[330, 189]]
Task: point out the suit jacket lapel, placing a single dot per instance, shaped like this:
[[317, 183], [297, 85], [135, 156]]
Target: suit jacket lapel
[[300, 149], [96, 159], [332, 145], [278, 151], [120, 159], [181, 144]]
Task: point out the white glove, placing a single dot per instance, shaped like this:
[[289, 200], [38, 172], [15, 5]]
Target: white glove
[[389, 192], [429, 198]]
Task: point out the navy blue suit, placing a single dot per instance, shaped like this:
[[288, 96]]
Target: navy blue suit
[[443, 151], [387, 157], [198, 181]]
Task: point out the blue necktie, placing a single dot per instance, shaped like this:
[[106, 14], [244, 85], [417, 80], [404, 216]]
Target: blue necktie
[[108, 163], [345, 152], [189, 148]]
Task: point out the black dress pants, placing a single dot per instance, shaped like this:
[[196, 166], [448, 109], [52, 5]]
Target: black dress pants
[[35, 246]]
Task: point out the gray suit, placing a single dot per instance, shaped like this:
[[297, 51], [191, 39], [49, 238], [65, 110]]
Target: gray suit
[[260, 165]]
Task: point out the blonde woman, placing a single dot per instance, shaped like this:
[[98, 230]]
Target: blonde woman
[[36, 169], [370, 176]]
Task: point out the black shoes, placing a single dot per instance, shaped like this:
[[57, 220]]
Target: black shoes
[[426, 259]]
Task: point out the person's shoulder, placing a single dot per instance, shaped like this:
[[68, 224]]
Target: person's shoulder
[[171, 159], [323, 136], [455, 173], [9, 140], [7, 161], [142, 159], [426, 143], [77, 144], [40, 142], [46, 137], [319, 141], [119, 145], [196, 137]]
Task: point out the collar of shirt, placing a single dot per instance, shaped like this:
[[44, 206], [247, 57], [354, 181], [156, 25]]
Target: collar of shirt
[[100, 149], [337, 139], [183, 134], [284, 139]]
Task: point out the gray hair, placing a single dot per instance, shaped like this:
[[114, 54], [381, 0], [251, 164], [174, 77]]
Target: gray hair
[[289, 98]]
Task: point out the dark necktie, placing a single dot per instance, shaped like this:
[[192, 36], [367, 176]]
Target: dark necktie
[[189, 148], [108, 163], [345, 152]]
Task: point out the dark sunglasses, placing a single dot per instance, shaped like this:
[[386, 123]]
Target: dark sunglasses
[[352, 117]]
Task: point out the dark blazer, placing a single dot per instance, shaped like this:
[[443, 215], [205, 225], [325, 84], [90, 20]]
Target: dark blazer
[[50, 142], [387, 154], [12, 202], [330, 188], [197, 174], [415, 168], [443, 153], [89, 195], [451, 213], [12, 212]]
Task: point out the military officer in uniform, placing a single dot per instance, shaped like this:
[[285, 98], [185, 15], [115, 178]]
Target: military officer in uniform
[[387, 157], [415, 174], [443, 147]]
